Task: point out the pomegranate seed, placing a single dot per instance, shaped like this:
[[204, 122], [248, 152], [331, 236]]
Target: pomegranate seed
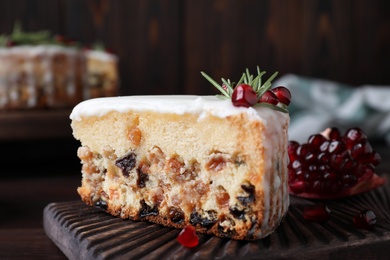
[[354, 135], [224, 87], [365, 219], [334, 133], [244, 96], [269, 97], [316, 140], [282, 94], [317, 212], [298, 187], [326, 167], [374, 158], [188, 237], [361, 150], [292, 150], [336, 147], [10, 43]]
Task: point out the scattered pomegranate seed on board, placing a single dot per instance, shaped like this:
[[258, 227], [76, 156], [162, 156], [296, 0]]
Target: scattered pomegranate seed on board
[[317, 212], [188, 237], [365, 219]]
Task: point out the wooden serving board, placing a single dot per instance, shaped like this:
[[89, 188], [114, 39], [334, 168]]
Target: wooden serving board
[[84, 232]]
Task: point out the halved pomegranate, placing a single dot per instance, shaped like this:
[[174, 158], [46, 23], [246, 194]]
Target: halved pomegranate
[[331, 165]]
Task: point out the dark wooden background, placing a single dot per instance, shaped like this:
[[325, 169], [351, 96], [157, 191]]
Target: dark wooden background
[[164, 44]]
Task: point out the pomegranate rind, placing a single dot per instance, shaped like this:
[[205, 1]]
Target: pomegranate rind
[[361, 187]]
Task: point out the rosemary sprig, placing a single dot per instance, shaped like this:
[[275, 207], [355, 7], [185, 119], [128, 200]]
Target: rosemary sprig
[[227, 88]]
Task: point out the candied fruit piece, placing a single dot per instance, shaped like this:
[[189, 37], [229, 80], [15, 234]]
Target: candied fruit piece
[[216, 163], [135, 135]]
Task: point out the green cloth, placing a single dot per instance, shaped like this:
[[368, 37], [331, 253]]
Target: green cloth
[[318, 104]]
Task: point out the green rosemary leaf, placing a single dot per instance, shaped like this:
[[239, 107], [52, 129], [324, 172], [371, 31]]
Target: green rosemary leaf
[[268, 84], [277, 108], [255, 83], [215, 84], [241, 79], [260, 75]]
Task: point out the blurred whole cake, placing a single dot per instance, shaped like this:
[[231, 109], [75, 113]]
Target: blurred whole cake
[[41, 71]]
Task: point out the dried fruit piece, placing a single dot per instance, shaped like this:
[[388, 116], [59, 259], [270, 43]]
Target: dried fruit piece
[[317, 212], [188, 237], [127, 163], [331, 165], [175, 214], [206, 219], [147, 210], [365, 219]]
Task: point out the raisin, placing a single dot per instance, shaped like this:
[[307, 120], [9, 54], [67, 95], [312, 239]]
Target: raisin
[[176, 214], [142, 178], [147, 210], [206, 221], [101, 204], [126, 163], [250, 190], [238, 214], [216, 164]]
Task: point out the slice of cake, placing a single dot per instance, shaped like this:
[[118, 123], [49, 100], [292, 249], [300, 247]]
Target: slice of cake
[[185, 160]]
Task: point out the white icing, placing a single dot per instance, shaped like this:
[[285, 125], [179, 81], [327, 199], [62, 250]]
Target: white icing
[[177, 104], [100, 55], [30, 50]]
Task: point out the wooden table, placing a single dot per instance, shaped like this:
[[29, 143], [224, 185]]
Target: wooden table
[[22, 202]]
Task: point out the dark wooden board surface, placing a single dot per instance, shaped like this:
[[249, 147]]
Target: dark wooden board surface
[[83, 232]]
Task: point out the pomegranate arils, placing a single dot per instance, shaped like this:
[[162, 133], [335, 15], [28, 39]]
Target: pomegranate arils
[[244, 96], [188, 237], [326, 167], [317, 212], [269, 97], [334, 133], [365, 219], [282, 94]]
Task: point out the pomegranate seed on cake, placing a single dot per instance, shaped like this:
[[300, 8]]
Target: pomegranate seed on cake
[[186, 161]]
